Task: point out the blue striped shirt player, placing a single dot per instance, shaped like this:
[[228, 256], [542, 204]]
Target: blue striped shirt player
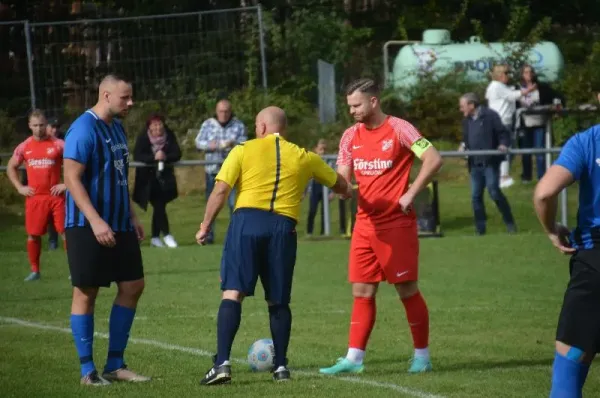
[[102, 230], [578, 330], [103, 149]]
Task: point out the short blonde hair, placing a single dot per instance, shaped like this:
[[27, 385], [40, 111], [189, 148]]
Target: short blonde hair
[[38, 113], [498, 70]]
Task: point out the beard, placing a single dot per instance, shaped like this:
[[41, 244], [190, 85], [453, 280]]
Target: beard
[[365, 117]]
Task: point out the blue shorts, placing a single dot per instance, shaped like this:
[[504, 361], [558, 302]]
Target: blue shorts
[[260, 244]]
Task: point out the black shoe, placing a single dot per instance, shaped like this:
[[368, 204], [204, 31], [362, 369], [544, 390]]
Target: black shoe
[[52, 245], [217, 375], [511, 229], [281, 374]]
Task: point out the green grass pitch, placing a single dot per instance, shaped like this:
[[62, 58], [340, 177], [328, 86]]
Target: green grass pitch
[[493, 303]]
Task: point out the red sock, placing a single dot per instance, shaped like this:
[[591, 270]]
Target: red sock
[[362, 322], [34, 249], [418, 319]]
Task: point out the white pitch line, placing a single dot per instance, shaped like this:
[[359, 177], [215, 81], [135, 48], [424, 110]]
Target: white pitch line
[[203, 353]]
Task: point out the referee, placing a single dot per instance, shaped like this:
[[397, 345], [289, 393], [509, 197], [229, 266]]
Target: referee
[[102, 229], [270, 175], [578, 331]]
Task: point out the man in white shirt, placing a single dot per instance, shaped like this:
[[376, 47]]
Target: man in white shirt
[[503, 99]]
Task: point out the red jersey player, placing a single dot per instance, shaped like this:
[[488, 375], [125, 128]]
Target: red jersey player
[[380, 149], [44, 194]]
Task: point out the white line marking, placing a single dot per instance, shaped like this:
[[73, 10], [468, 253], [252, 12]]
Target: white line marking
[[202, 353]]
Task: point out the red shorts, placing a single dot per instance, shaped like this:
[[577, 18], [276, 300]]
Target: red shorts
[[390, 255], [40, 210]]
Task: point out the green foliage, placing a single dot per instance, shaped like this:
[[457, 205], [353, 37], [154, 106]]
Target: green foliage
[[309, 35], [8, 193], [581, 81], [432, 104], [7, 129]]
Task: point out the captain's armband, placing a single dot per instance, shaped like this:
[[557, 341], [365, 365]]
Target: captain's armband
[[420, 146]]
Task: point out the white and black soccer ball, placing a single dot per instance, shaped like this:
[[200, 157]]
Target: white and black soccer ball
[[261, 354]]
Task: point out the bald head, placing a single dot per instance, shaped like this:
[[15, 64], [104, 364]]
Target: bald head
[[271, 120], [115, 96]]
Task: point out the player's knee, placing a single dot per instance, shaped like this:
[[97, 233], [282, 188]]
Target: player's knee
[[34, 237], [365, 290], [83, 300], [131, 289], [233, 295], [277, 304], [407, 289]]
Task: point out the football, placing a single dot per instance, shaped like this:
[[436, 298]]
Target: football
[[260, 355]]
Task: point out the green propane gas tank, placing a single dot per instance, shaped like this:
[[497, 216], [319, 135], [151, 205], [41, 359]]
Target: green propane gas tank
[[438, 54]]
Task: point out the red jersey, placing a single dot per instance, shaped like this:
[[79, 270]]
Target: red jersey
[[382, 160], [43, 162]]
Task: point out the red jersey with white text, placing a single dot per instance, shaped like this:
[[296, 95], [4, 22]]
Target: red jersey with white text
[[382, 160], [43, 161]]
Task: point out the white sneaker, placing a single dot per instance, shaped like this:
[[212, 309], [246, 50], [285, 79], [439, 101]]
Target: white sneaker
[[170, 241], [156, 242], [506, 182]]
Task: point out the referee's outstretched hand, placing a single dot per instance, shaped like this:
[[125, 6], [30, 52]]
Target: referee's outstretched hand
[[104, 234]]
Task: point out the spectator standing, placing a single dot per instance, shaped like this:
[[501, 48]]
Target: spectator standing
[[503, 99], [157, 146], [532, 128], [315, 195], [52, 130], [483, 130], [217, 136]]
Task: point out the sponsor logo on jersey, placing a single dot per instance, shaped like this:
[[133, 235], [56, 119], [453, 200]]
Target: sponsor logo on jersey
[[41, 163], [372, 167]]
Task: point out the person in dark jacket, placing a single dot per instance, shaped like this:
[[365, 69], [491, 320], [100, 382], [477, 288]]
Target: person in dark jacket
[[157, 184], [483, 130]]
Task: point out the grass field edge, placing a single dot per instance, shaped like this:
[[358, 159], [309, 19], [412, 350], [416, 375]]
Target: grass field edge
[[203, 353]]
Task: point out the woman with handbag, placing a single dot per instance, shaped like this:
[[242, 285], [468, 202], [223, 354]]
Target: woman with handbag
[[156, 184]]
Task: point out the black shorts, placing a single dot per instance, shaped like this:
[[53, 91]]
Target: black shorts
[[579, 321], [260, 244], [94, 265]]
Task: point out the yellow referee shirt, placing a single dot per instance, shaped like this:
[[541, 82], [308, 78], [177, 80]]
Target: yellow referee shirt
[[271, 174]]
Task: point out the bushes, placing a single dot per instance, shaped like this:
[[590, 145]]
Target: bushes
[[7, 130]]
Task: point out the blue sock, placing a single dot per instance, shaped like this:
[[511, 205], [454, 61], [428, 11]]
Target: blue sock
[[280, 317], [82, 327], [121, 319], [228, 322], [566, 379]]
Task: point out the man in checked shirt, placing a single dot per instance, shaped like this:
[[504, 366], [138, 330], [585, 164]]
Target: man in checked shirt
[[217, 136]]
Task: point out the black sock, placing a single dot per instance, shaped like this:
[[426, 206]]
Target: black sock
[[281, 326], [228, 322]]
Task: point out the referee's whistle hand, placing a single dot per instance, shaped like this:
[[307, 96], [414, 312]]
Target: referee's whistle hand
[[201, 236], [104, 234]]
